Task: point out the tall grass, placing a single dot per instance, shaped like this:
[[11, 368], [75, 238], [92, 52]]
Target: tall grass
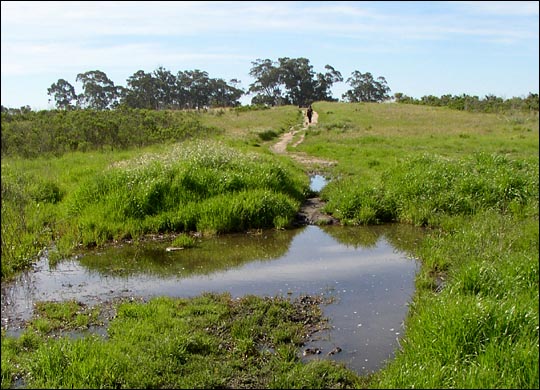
[[28, 205], [204, 187], [199, 185], [472, 179], [423, 190], [33, 191], [481, 329]]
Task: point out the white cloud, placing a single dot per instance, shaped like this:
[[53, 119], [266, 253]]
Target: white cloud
[[90, 20], [52, 38], [505, 8], [35, 59]]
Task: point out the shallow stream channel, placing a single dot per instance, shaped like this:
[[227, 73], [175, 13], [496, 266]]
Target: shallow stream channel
[[366, 272]]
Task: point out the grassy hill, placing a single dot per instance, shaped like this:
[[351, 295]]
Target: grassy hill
[[470, 178]]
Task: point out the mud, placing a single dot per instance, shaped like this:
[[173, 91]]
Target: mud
[[311, 214]]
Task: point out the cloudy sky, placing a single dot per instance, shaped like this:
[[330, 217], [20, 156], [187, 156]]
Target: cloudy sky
[[420, 48]]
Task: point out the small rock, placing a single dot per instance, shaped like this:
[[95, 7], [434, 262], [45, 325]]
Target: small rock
[[311, 351], [334, 351]]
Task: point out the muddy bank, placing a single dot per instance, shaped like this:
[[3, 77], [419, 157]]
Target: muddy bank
[[311, 214]]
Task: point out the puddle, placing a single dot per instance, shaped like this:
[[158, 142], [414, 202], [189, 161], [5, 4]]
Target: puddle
[[317, 182], [369, 271]]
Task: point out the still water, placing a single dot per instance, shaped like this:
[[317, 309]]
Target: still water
[[369, 271]]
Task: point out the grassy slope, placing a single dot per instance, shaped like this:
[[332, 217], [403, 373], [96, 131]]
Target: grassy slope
[[479, 331]]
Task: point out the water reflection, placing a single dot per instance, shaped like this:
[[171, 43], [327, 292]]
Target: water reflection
[[317, 182], [368, 270], [215, 254]]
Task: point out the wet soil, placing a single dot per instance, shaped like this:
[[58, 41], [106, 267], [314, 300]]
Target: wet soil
[[310, 212]]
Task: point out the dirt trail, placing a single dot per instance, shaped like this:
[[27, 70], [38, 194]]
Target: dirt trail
[[310, 213], [285, 139], [281, 146]]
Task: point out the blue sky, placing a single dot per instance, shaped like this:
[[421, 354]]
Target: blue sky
[[420, 48]]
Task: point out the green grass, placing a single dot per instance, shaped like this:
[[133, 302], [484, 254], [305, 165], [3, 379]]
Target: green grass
[[424, 190], [33, 191], [203, 187], [252, 128], [368, 138], [184, 241], [471, 179], [200, 186], [211, 341], [481, 330]]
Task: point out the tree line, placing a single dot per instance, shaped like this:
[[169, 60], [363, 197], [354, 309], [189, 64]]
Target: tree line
[[287, 81], [490, 103], [158, 90], [282, 82]]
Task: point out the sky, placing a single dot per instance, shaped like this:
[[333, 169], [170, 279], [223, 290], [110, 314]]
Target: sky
[[420, 48]]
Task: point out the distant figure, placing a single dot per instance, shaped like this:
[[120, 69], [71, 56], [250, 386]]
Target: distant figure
[[309, 113]]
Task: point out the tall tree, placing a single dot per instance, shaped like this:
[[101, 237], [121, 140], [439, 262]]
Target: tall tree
[[141, 91], [165, 84], [291, 81], [267, 85], [63, 93], [197, 86], [296, 74], [324, 83], [366, 89], [223, 94], [99, 91]]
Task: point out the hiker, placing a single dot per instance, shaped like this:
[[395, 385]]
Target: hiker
[[309, 113]]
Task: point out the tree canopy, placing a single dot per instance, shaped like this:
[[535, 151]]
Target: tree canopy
[[63, 93], [99, 91], [366, 89], [282, 82], [291, 81], [158, 90], [285, 81]]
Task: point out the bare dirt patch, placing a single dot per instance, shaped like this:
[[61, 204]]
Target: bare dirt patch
[[310, 213]]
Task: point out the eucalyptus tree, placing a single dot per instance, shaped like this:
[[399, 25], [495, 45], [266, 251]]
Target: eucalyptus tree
[[100, 92], [291, 81], [196, 85], [223, 94], [267, 85], [63, 93], [182, 90], [296, 74], [366, 89], [165, 88], [234, 92], [324, 83], [141, 91]]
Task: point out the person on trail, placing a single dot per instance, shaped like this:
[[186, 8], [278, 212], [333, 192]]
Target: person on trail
[[309, 113]]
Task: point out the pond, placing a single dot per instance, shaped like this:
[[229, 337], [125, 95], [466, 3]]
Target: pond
[[368, 271]]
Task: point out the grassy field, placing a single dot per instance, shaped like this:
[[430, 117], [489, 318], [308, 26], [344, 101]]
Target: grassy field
[[470, 178]]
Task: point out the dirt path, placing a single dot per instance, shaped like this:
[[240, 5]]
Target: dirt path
[[285, 139], [311, 163], [310, 213]]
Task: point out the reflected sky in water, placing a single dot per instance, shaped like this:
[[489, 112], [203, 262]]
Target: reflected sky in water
[[369, 271], [317, 182]]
